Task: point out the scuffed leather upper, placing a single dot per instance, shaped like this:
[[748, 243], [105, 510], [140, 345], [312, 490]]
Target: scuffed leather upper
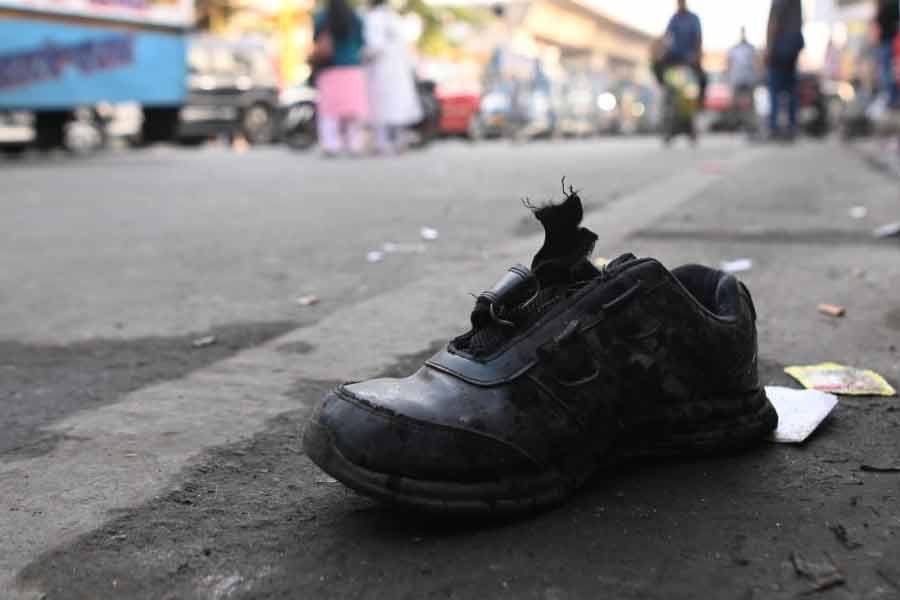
[[623, 350]]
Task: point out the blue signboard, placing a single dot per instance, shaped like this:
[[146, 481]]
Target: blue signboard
[[46, 65]]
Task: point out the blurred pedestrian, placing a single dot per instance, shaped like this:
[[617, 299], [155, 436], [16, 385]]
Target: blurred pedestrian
[[784, 42], [684, 43], [742, 77], [742, 63], [832, 62], [888, 20], [393, 101], [337, 59]]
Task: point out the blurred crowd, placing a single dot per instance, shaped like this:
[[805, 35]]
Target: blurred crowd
[[363, 71], [368, 92], [776, 67]]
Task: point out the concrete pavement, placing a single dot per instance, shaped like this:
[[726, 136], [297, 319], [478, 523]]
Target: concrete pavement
[[122, 504]]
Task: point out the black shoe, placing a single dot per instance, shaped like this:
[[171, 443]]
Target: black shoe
[[566, 369]]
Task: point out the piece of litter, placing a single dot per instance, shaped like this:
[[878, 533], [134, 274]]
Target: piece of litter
[[374, 256], [308, 300], [429, 234], [712, 168], [823, 574], [844, 537], [395, 248], [840, 379], [832, 310], [886, 231], [858, 212], [736, 266], [880, 468], [601, 262], [799, 412], [208, 340]]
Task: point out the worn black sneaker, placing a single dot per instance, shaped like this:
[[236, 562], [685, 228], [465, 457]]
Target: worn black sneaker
[[566, 368]]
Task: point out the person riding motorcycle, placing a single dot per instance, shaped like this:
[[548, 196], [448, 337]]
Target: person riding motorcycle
[[676, 64], [682, 44]]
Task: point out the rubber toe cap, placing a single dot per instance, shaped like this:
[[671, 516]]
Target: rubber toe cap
[[375, 437]]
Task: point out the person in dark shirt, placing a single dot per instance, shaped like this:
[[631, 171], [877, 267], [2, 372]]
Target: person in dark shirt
[[686, 35], [783, 47], [888, 21], [685, 43]]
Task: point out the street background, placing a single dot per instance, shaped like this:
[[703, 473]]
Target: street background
[[190, 259], [134, 464]]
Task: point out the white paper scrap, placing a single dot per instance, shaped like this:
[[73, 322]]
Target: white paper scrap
[[889, 230], [799, 412], [736, 266], [858, 212]]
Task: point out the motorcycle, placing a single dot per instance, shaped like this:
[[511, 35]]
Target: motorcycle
[[429, 127], [813, 108], [494, 116], [298, 117], [681, 102]]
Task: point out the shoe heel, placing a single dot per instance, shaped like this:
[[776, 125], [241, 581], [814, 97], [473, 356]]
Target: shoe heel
[[718, 433]]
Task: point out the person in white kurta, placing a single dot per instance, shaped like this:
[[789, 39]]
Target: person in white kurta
[[393, 101]]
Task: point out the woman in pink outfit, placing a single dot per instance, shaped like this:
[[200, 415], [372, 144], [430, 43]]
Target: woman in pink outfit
[[343, 105]]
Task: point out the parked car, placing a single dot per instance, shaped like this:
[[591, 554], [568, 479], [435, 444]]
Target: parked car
[[583, 111], [719, 103], [495, 114], [639, 108], [519, 100], [232, 89], [16, 132], [458, 109], [609, 104], [458, 92], [535, 110]]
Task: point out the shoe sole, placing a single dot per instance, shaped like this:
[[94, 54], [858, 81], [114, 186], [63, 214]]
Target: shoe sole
[[516, 496]]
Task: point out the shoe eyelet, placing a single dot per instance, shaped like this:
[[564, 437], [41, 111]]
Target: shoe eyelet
[[570, 335], [578, 382]]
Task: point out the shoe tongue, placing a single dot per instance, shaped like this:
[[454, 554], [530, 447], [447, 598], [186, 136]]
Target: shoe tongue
[[561, 261], [564, 257]]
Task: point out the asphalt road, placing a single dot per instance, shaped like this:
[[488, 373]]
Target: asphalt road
[[135, 465]]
